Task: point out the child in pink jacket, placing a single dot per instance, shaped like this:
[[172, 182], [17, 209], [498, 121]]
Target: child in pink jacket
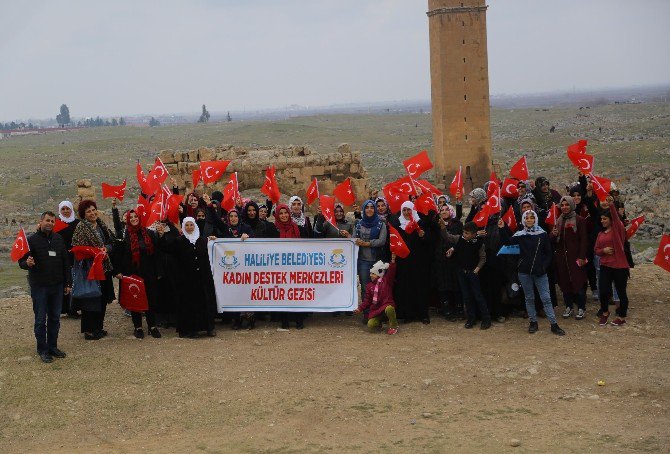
[[378, 299]]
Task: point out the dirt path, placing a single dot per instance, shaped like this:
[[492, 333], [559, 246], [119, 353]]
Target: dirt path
[[334, 387]]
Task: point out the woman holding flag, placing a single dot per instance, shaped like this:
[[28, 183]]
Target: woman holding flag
[[136, 255], [65, 228], [92, 232]]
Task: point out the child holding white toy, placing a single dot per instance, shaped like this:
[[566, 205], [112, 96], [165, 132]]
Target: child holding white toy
[[378, 298]]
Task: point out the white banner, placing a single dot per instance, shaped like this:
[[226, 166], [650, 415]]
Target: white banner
[[286, 275]]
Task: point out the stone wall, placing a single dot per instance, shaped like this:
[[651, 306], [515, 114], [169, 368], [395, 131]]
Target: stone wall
[[295, 166]]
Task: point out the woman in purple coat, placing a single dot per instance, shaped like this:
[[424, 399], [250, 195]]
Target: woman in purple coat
[[378, 299]]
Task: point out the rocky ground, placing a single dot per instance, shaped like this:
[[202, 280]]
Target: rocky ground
[[335, 387]]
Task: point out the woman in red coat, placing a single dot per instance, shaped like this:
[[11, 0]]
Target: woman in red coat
[[378, 297], [571, 242]]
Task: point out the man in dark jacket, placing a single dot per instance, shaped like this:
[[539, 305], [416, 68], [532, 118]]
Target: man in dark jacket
[[49, 277]]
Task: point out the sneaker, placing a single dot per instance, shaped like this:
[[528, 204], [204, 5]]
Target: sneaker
[[155, 333], [557, 330], [46, 357], [500, 319], [580, 314], [618, 321], [603, 319], [56, 353], [485, 324], [532, 327], [126, 313], [139, 333], [567, 313], [469, 324], [392, 331]]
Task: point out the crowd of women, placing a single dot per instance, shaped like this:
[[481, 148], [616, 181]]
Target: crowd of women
[[453, 266]]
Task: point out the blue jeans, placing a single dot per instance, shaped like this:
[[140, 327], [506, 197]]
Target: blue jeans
[[363, 269], [542, 285], [47, 303], [471, 289]]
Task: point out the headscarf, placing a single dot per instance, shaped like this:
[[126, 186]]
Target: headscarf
[[133, 236], [452, 210], [438, 197], [192, 237], [344, 213], [288, 229], [402, 219], [66, 203], [371, 222], [535, 229], [234, 229], [385, 215], [246, 218], [478, 194], [567, 220], [299, 219]]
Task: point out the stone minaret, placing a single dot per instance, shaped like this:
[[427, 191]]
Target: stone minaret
[[460, 90]]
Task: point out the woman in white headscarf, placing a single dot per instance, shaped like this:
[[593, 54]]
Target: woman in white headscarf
[[298, 216], [413, 275], [197, 305], [67, 215]]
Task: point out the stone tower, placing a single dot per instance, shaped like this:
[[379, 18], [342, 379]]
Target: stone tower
[[460, 90]]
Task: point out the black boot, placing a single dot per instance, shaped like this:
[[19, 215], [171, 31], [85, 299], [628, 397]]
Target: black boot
[[557, 330], [532, 327]]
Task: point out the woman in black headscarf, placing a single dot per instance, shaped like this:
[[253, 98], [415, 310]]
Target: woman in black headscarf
[[259, 228]]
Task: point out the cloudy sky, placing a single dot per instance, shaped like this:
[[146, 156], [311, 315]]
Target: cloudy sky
[[131, 56]]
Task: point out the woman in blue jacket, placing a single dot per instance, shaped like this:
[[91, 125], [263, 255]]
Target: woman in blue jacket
[[534, 259]]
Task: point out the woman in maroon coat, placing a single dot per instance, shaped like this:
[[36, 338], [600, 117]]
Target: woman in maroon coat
[[378, 299], [571, 242]]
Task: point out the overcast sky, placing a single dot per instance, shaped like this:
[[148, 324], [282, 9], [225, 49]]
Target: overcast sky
[[128, 56]]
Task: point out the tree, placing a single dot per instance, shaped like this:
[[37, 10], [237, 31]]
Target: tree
[[228, 117], [153, 122], [204, 117], [114, 122], [122, 122], [63, 118]]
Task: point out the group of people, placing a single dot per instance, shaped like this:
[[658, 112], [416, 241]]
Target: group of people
[[452, 264]]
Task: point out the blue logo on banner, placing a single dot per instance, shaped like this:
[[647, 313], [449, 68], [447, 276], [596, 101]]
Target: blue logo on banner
[[337, 259], [229, 260]]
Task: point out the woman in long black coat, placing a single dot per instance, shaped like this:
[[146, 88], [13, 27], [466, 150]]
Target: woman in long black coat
[[197, 297], [444, 269], [136, 255], [66, 215]]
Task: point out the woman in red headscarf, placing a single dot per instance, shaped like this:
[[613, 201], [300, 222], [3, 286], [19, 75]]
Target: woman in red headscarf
[[137, 255]]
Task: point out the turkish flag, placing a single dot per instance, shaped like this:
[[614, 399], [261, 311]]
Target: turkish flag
[[482, 217], [578, 148], [418, 164], [97, 271], [270, 187], [60, 225], [133, 294], [20, 247], [116, 192], [457, 184], [519, 170], [157, 176], [230, 193], [394, 198], [426, 187], [509, 188], [583, 161], [601, 186], [142, 209], [211, 171], [493, 184], [327, 204], [196, 176], [344, 192], [405, 185], [172, 208], [157, 211], [663, 255], [634, 225], [425, 203], [145, 188], [412, 226], [312, 191], [510, 219], [398, 246], [552, 215], [494, 202]]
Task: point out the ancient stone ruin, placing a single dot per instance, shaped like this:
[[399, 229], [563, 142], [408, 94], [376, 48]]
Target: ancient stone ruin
[[295, 166]]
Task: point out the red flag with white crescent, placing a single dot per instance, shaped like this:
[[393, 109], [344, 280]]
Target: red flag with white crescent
[[270, 187], [493, 185], [510, 219], [145, 188], [115, 192], [494, 200], [482, 216], [230, 193], [97, 271], [157, 176], [425, 203], [601, 186], [398, 246], [663, 255], [211, 171], [345, 193], [20, 247], [426, 187], [312, 191], [418, 164], [394, 198], [133, 294], [520, 169], [509, 188], [172, 208], [60, 225], [552, 215], [157, 210], [327, 205], [634, 225], [456, 186], [404, 185], [578, 148], [582, 161], [196, 176]]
